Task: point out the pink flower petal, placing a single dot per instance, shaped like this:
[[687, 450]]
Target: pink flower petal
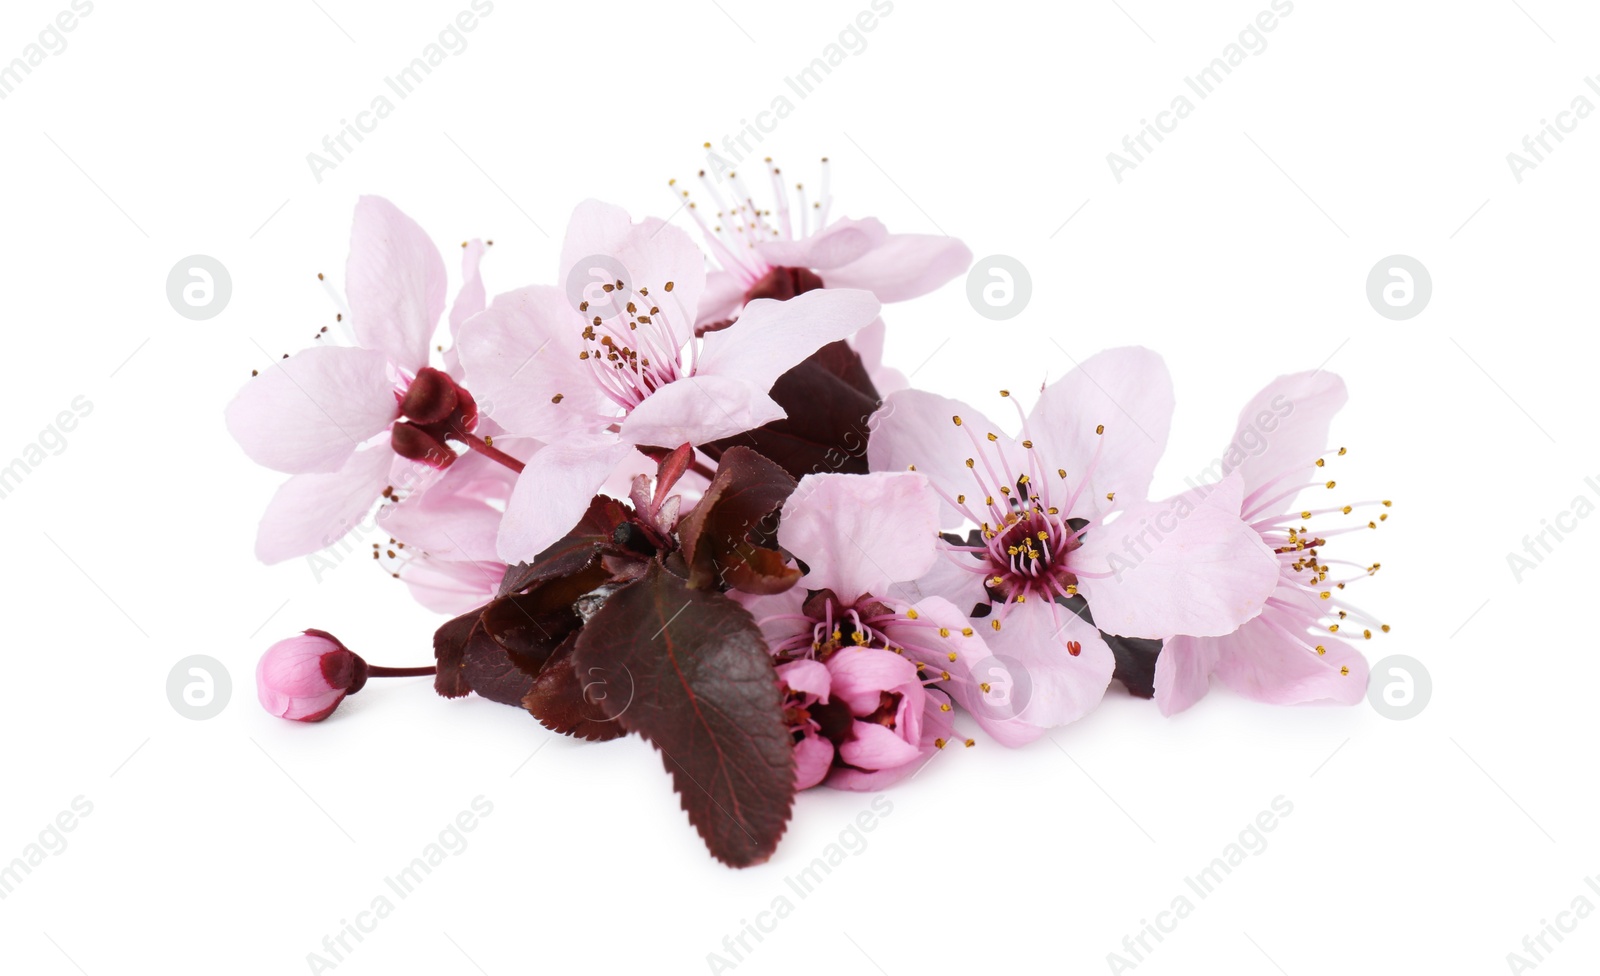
[[840, 243], [651, 252], [308, 413], [904, 266], [1183, 671], [1049, 684], [946, 580], [698, 410], [860, 674], [451, 586], [454, 518], [1282, 428], [812, 756], [936, 724], [470, 300], [313, 511], [806, 678], [966, 658], [773, 610], [520, 354], [861, 533], [1186, 565], [771, 337], [553, 492], [915, 428], [722, 299], [395, 281], [1259, 662], [876, 747], [1128, 391]]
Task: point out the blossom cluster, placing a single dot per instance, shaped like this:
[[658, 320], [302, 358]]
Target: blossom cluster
[[678, 493]]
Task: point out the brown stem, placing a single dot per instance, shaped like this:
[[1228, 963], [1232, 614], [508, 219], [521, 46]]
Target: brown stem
[[483, 447], [374, 671]]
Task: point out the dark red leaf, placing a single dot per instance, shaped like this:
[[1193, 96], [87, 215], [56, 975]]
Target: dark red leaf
[[830, 400], [565, 701], [670, 470], [594, 534], [735, 513], [452, 644], [758, 570], [706, 695]]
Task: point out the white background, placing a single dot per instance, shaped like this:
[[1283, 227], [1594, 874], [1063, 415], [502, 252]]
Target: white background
[[1239, 249]]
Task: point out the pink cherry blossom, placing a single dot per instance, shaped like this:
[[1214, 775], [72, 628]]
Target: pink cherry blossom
[[806, 685], [327, 415], [1062, 511], [443, 534], [1288, 654], [595, 377], [791, 246], [305, 678], [893, 662]]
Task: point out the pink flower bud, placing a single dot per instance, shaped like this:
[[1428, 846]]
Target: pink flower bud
[[305, 678]]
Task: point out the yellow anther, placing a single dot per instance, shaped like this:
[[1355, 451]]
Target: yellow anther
[[1344, 669], [1321, 649], [1100, 429], [967, 632], [1332, 483], [957, 419], [911, 612], [944, 631]]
